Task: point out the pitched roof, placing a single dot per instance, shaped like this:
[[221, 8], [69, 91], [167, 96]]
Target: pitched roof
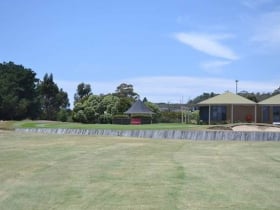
[[227, 98], [138, 108], [273, 100]]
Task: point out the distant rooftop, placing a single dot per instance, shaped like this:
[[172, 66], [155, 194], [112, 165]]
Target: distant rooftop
[[138, 108], [274, 100], [227, 98]]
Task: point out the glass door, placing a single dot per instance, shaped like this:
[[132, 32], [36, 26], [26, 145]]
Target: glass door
[[276, 114]]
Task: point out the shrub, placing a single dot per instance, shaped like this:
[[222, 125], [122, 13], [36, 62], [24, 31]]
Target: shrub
[[121, 119], [105, 119], [170, 117], [64, 115], [80, 117]]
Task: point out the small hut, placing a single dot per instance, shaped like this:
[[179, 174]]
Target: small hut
[[137, 111]]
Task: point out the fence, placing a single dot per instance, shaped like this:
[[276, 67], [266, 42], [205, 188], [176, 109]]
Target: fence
[[164, 134]]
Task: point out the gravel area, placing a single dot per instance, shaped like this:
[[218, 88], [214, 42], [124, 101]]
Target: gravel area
[[256, 128]]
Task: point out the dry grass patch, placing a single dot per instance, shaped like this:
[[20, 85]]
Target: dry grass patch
[[82, 172]]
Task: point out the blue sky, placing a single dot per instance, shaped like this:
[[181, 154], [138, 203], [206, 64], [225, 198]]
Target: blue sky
[[169, 50]]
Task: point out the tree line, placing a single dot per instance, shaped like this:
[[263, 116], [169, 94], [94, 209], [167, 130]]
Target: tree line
[[24, 96]]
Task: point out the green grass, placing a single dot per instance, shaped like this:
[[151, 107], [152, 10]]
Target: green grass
[[55, 124], [74, 172]]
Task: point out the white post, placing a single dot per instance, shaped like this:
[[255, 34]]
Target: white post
[[256, 113], [231, 113], [209, 116]]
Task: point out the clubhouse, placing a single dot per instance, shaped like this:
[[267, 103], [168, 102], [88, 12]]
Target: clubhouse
[[231, 108]]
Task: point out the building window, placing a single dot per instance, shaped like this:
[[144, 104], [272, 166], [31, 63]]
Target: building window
[[276, 114], [204, 113], [218, 113], [265, 112]]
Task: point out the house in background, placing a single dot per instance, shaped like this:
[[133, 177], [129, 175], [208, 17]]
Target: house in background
[[227, 107], [269, 110]]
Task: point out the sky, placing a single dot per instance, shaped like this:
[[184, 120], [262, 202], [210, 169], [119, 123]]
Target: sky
[[169, 50]]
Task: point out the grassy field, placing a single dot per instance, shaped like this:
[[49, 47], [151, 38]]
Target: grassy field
[[73, 172], [55, 124]]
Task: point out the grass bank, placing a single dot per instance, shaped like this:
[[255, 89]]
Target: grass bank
[[55, 124], [74, 172]]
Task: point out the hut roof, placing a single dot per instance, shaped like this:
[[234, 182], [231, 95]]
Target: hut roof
[[273, 100], [138, 108], [227, 98]]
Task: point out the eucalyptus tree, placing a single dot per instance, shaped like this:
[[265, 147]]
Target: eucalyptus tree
[[52, 98], [127, 96], [18, 96], [126, 91], [83, 91]]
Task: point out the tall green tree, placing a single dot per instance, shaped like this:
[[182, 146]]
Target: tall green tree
[[83, 91], [96, 109], [126, 91], [127, 96], [109, 104], [87, 110], [52, 98], [18, 96]]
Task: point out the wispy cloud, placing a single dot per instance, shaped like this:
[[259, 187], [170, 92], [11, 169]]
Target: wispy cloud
[[214, 66], [267, 30], [209, 44], [254, 4], [264, 24], [171, 88]]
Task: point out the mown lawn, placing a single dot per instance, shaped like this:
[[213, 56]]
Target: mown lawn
[[79, 172], [56, 124]]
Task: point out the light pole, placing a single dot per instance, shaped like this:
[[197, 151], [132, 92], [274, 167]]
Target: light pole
[[236, 82]]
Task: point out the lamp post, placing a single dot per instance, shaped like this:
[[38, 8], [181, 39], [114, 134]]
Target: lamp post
[[236, 82]]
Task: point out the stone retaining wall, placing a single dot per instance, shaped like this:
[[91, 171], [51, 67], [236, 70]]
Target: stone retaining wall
[[164, 134]]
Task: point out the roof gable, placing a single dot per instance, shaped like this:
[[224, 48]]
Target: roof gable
[[138, 108], [273, 100], [227, 98]]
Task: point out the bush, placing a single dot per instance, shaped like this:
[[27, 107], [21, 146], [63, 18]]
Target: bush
[[80, 117], [193, 117], [62, 115], [170, 117], [121, 119], [105, 119]]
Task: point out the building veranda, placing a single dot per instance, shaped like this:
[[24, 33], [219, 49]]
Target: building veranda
[[227, 108], [231, 108]]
